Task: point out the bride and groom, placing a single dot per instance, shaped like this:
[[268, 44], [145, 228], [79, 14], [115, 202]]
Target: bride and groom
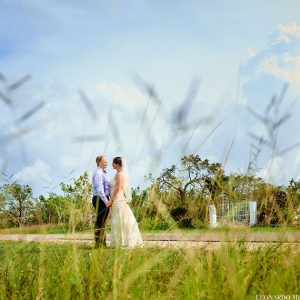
[[114, 195]]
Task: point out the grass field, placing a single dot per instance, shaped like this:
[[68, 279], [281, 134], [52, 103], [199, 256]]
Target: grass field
[[69, 271], [54, 228]]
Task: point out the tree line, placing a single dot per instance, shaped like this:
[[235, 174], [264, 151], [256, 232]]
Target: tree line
[[179, 196]]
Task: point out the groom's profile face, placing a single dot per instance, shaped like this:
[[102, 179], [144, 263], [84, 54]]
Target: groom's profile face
[[103, 163]]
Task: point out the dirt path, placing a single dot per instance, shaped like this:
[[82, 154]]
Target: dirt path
[[210, 241]]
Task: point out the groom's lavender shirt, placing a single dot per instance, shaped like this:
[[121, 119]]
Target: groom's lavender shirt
[[100, 184]]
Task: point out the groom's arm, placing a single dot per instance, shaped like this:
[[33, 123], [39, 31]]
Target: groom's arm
[[99, 187]]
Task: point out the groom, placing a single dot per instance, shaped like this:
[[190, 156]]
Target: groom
[[101, 202]]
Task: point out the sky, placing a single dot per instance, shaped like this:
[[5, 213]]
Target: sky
[[130, 78]]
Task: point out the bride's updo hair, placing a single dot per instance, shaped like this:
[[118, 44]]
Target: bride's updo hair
[[118, 161]]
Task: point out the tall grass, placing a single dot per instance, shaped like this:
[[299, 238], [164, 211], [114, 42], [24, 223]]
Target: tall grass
[[68, 271]]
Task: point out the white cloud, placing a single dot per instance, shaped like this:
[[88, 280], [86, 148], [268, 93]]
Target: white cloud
[[36, 172], [289, 29], [129, 97], [68, 162], [285, 67], [285, 33], [63, 53], [251, 52], [281, 58]]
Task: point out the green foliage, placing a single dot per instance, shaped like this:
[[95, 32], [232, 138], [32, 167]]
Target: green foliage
[[276, 206], [193, 174], [73, 209], [188, 189], [178, 198], [69, 271], [16, 205], [79, 192], [78, 197], [53, 209]]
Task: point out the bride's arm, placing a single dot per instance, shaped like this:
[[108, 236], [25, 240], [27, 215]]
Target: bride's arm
[[118, 188]]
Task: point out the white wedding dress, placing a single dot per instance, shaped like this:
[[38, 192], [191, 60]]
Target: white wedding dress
[[124, 227]]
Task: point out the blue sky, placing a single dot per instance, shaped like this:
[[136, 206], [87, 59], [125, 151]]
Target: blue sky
[[241, 53]]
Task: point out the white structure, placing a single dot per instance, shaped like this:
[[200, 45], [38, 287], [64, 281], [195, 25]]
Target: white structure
[[244, 213], [212, 216], [253, 213]]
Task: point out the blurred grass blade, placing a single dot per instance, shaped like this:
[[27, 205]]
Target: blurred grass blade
[[229, 151], [30, 112], [21, 132], [281, 121], [19, 82], [209, 135], [147, 89], [115, 132], [270, 105], [2, 77], [290, 148], [6, 99], [187, 104], [258, 116], [282, 95], [261, 140], [88, 105], [194, 124], [3, 173]]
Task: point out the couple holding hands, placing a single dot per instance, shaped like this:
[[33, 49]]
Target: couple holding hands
[[114, 195]]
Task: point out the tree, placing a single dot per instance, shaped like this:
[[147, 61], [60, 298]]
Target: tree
[[79, 195], [294, 191], [17, 203], [244, 187], [194, 174], [185, 189], [53, 209]]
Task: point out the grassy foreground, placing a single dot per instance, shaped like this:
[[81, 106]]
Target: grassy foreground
[[69, 271], [55, 229]]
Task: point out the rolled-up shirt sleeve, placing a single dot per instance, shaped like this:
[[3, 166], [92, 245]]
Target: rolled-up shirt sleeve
[[98, 182]]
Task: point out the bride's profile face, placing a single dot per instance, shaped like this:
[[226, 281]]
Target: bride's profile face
[[116, 166]]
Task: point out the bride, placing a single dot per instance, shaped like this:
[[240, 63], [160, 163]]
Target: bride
[[124, 228]]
